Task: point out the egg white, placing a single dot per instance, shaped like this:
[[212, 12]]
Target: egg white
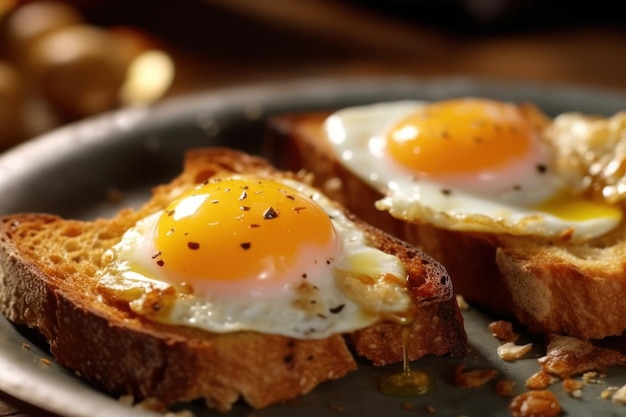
[[493, 202], [329, 288]]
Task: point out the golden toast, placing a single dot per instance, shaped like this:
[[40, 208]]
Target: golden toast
[[49, 270]]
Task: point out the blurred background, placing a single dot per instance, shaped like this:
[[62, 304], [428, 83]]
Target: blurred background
[[65, 60]]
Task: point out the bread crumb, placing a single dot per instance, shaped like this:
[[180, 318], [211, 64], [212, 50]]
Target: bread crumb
[[463, 305], [593, 377], [535, 403], [540, 381], [472, 379], [573, 387], [607, 393], [505, 388], [503, 330], [511, 352], [619, 397]]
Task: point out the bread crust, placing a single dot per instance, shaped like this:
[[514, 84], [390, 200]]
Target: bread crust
[[48, 277], [554, 286]]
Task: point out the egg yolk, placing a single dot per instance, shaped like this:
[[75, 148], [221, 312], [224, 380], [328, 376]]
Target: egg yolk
[[238, 229], [460, 136]]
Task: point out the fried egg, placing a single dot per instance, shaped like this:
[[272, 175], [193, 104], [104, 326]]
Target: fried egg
[[241, 253], [469, 164]]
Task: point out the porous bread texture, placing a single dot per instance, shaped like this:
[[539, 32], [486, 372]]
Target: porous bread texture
[[48, 276], [553, 286]]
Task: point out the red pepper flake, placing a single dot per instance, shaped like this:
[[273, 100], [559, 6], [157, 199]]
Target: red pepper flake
[[160, 262], [254, 225], [245, 208], [270, 214], [193, 245], [246, 245], [243, 195], [299, 209]]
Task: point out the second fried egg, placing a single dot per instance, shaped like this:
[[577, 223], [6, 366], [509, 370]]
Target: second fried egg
[[468, 164]]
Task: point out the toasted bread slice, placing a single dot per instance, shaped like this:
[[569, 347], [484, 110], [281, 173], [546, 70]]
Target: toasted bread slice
[[48, 281], [561, 287]]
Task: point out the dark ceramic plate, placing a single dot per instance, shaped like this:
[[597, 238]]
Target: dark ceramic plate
[[73, 170]]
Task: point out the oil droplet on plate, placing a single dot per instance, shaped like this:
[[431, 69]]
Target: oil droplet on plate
[[407, 383]]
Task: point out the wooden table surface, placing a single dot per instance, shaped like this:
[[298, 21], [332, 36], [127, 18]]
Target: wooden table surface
[[221, 43]]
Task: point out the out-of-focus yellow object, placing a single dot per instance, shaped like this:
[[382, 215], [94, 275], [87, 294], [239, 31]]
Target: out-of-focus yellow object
[[79, 69], [32, 21], [149, 76], [11, 106]]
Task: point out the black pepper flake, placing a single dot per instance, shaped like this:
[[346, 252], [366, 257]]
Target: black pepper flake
[[336, 310], [270, 213], [445, 134], [243, 195], [291, 197], [299, 209], [156, 255], [156, 306], [170, 213], [304, 276], [245, 208], [246, 245], [288, 358], [160, 262], [193, 245], [446, 191], [542, 168], [254, 226], [517, 187]]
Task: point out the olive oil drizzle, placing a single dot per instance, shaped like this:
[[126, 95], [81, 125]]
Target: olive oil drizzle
[[408, 383]]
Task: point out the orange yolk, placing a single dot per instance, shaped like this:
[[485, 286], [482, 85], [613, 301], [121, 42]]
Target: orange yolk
[[460, 136], [238, 229]]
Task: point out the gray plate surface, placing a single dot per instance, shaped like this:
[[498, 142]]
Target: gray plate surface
[[70, 172]]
